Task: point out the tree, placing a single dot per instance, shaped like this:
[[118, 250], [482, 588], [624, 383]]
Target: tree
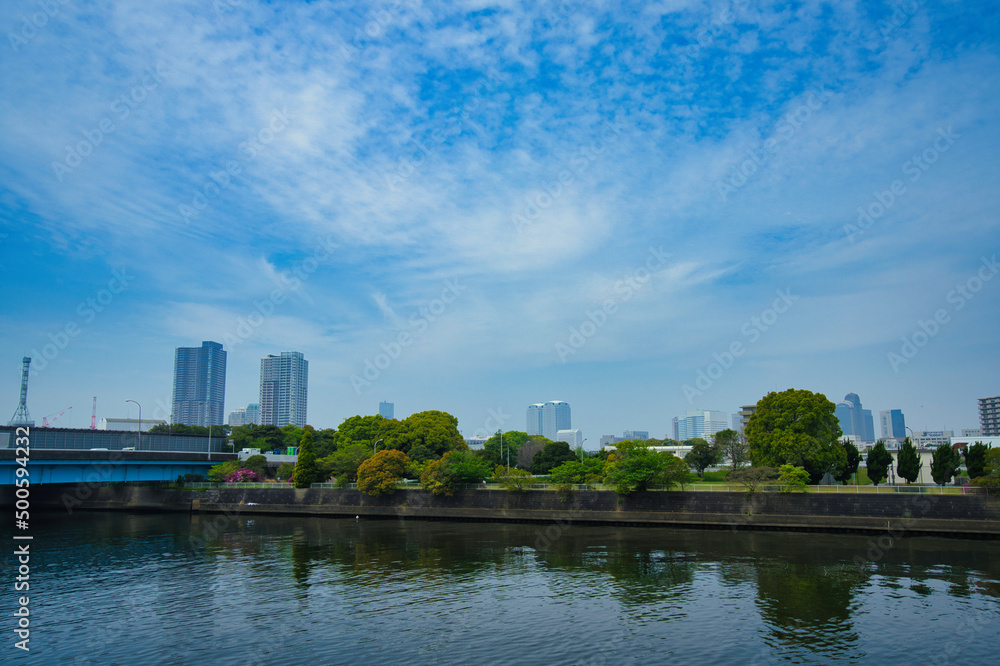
[[434, 430], [526, 454], [702, 455], [443, 476], [272, 435], [733, 447], [379, 474], [633, 467], [307, 471], [848, 461], [256, 463], [944, 464], [514, 480], [552, 455], [878, 463], [285, 471], [753, 478], [587, 471], [792, 478], [496, 446], [908, 462], [796, 426], [222, 470], [975, 459], [345, 461]]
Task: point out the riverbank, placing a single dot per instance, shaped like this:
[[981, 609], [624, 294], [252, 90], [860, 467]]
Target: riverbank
[[944, 515]]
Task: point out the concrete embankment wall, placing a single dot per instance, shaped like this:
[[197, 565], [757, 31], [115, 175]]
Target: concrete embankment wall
[[970, 515]]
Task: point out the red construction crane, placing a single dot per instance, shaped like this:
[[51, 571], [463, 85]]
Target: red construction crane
[[49, 420], [93, 415]]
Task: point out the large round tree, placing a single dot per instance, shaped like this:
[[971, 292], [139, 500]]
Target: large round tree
[[796, 427]]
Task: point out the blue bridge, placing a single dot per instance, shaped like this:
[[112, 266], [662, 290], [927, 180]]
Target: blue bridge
[[45, 466]]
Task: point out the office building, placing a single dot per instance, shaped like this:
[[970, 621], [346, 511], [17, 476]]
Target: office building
[[238, 417], [701, 423], [572, 437], [555, 417], [676, 436], [746, 411], [128, 425], [893, 424], [933, 438], [284, 384], [856, 423], [636, 434], [972, 432], [199, 385], [253, 414], [989, 416], [533, 419], [386, 409]]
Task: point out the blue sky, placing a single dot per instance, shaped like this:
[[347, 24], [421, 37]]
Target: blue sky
[[490, 204]]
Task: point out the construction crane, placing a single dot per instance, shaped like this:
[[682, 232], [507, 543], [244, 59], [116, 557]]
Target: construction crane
[[93, 415], [49, 420]]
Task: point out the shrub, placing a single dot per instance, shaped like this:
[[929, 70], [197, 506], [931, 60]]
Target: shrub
[[514, 480], [792, 478], [243, 476], [379, 474]]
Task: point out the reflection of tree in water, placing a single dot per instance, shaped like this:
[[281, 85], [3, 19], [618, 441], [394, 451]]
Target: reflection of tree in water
[[808, 606]]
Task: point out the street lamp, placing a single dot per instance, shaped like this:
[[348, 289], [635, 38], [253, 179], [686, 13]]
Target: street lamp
[[139, 429], [375, 446]]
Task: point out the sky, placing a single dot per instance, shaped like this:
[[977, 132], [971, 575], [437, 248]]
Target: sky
[[638, 208]]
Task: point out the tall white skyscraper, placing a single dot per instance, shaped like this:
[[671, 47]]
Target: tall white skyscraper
[[533, 425], [199, 385], [284, 383], [555, 417]]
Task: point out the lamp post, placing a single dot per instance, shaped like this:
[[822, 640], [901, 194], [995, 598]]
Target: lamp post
[[375, 446], [139, 429]]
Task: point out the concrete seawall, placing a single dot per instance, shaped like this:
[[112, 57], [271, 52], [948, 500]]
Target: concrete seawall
[[946, 515]]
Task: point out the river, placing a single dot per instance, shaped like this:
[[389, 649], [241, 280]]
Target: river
[[119, 588]]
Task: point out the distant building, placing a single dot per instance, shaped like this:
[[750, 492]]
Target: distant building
[[972, 432], [533, 424], [989, 416], [676, 429], [856, 423], [572, 437], [932, 438], [238, 417], [253, 414], [386, 409], [608, 440], [128, 425], [476, 441], [701, 423], [199, 385], [746, 411], [284, 386], [636, 434], [893, 424]]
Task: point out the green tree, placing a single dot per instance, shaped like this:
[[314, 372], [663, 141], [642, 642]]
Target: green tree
[[307, 470], [588, 471], [325, 442], [434, 430], [944, 464], [552, 455], [908, 462], [509, 478], [878, 463], [285, 471], [443, 476], [792, 479], [496, 447], [380, 474], [733, 447], [796, 426], [345, 461], [256, 463], [222, 470], [526, 454], [753, 478], [633, 467], [849, 458], [702, 455], [365, 430], [975, 459]]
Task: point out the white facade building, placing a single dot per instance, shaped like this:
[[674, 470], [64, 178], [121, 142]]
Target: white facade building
[[284, 386], [572, 437]]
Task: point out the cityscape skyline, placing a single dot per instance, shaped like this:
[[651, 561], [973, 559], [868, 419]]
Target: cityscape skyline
[[641, 208]]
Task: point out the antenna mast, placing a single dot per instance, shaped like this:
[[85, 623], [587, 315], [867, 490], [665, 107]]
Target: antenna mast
[[21, 417]]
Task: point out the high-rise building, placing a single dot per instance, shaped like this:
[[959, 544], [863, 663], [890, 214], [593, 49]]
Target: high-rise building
[[238, 417], [386, 409], [636, 434], [701, 423], [746, 411], [989, 416], [284, 384], [200, 385], [856, 423], [676, 429], [555, 417], [533, 419], [893, 424], [253, 414]]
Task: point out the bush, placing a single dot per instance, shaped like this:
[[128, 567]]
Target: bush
[[221, 471], [285, 471], [514, 480], [243, 476], [379, 474], [256, 463], [792, 478]]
